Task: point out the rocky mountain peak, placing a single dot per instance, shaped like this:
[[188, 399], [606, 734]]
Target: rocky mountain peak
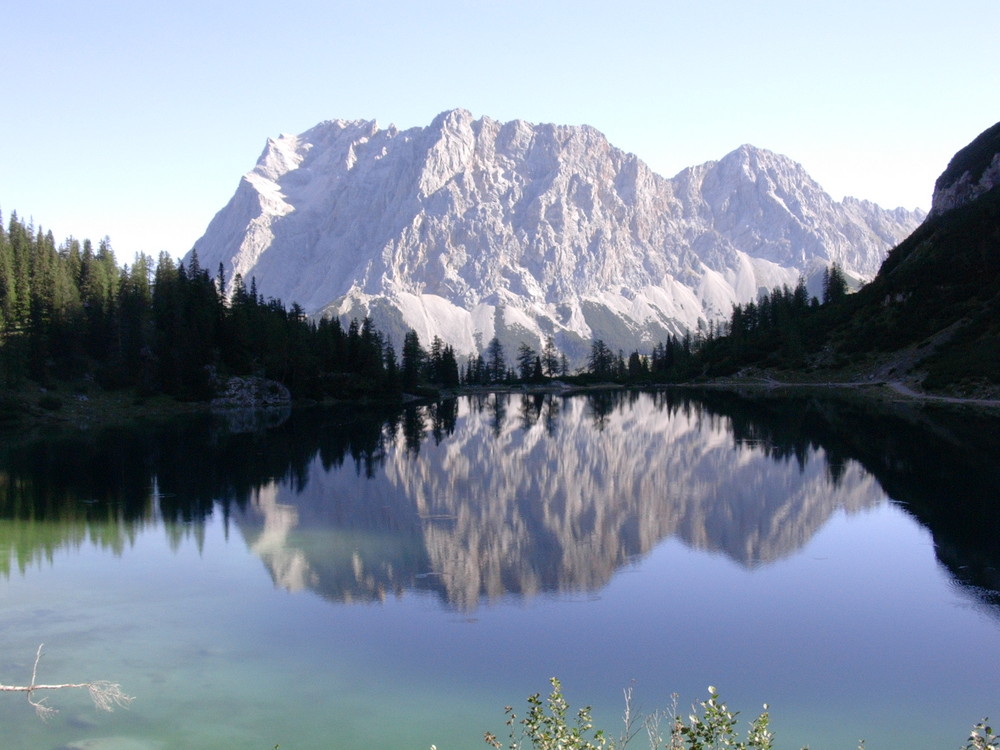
[[467, 229]]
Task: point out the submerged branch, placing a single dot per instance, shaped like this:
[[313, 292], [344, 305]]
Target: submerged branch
[[104, 694]]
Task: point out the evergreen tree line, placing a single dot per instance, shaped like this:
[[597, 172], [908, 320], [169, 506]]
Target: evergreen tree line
[[167, 327], [439, 365], [163, 326], [776, 330]]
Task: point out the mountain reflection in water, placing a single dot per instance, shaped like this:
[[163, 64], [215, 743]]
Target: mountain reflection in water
[[510, 508], [505, 495]]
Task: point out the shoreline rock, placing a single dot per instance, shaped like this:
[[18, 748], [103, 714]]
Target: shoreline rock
[[252, 393]]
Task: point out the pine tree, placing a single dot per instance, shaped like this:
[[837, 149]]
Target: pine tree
[[136, 327], [601, 363], [834, 284], [392, 379], [537, 375], [19, 238], [7, 284], [637, 368], [413, 360], [496, 364], [526, 357], [449, 368], [800, 296], [433, 364], [550, 358]]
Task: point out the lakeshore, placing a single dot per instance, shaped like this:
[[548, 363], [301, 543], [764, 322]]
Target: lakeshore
[[75, 406]]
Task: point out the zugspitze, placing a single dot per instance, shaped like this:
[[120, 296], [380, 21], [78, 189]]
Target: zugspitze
[[467, 229]]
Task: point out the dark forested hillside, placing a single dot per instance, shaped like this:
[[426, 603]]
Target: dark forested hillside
[[938, 290], [71, 317], [70, 312]]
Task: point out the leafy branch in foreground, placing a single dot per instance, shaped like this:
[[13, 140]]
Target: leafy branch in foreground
[[982, 737], [716, 728], [547, 728], [104, 694]]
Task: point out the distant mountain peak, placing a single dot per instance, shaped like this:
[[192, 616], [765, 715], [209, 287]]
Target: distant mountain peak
[[471, 228]]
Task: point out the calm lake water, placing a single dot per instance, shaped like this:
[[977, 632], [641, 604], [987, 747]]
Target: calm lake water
[[333, 579]]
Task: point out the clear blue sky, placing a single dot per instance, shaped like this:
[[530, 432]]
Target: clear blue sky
[[137, 119]]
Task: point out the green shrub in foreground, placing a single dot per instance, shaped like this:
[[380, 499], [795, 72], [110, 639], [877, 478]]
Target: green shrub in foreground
[[548, 726]]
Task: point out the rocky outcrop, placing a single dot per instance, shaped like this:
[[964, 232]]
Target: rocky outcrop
[[973, 171], [252, 393]]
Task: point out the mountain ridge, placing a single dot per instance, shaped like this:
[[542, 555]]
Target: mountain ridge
[[472, 228]]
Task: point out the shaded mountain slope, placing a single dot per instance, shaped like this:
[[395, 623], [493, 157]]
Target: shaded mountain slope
[[939, 291]]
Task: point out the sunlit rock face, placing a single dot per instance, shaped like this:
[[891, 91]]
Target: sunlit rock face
[[535, 494], [467, 229], [972, 172]]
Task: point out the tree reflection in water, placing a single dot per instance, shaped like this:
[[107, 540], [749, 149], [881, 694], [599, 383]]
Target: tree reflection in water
[[557, 498]]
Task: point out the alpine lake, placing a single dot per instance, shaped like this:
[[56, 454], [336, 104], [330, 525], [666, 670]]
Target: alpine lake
[[361, 579]]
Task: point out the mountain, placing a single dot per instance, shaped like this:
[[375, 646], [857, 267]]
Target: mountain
[[929, 319], [468, 229]]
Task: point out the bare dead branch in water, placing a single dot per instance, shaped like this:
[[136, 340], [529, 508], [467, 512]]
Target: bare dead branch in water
[[105, 695]]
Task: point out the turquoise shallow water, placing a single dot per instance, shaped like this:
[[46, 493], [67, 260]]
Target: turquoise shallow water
[[330, 609]]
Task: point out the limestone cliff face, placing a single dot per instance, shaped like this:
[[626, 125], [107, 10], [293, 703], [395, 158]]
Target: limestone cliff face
[[526, 496], [469, 228], [972, 172]]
